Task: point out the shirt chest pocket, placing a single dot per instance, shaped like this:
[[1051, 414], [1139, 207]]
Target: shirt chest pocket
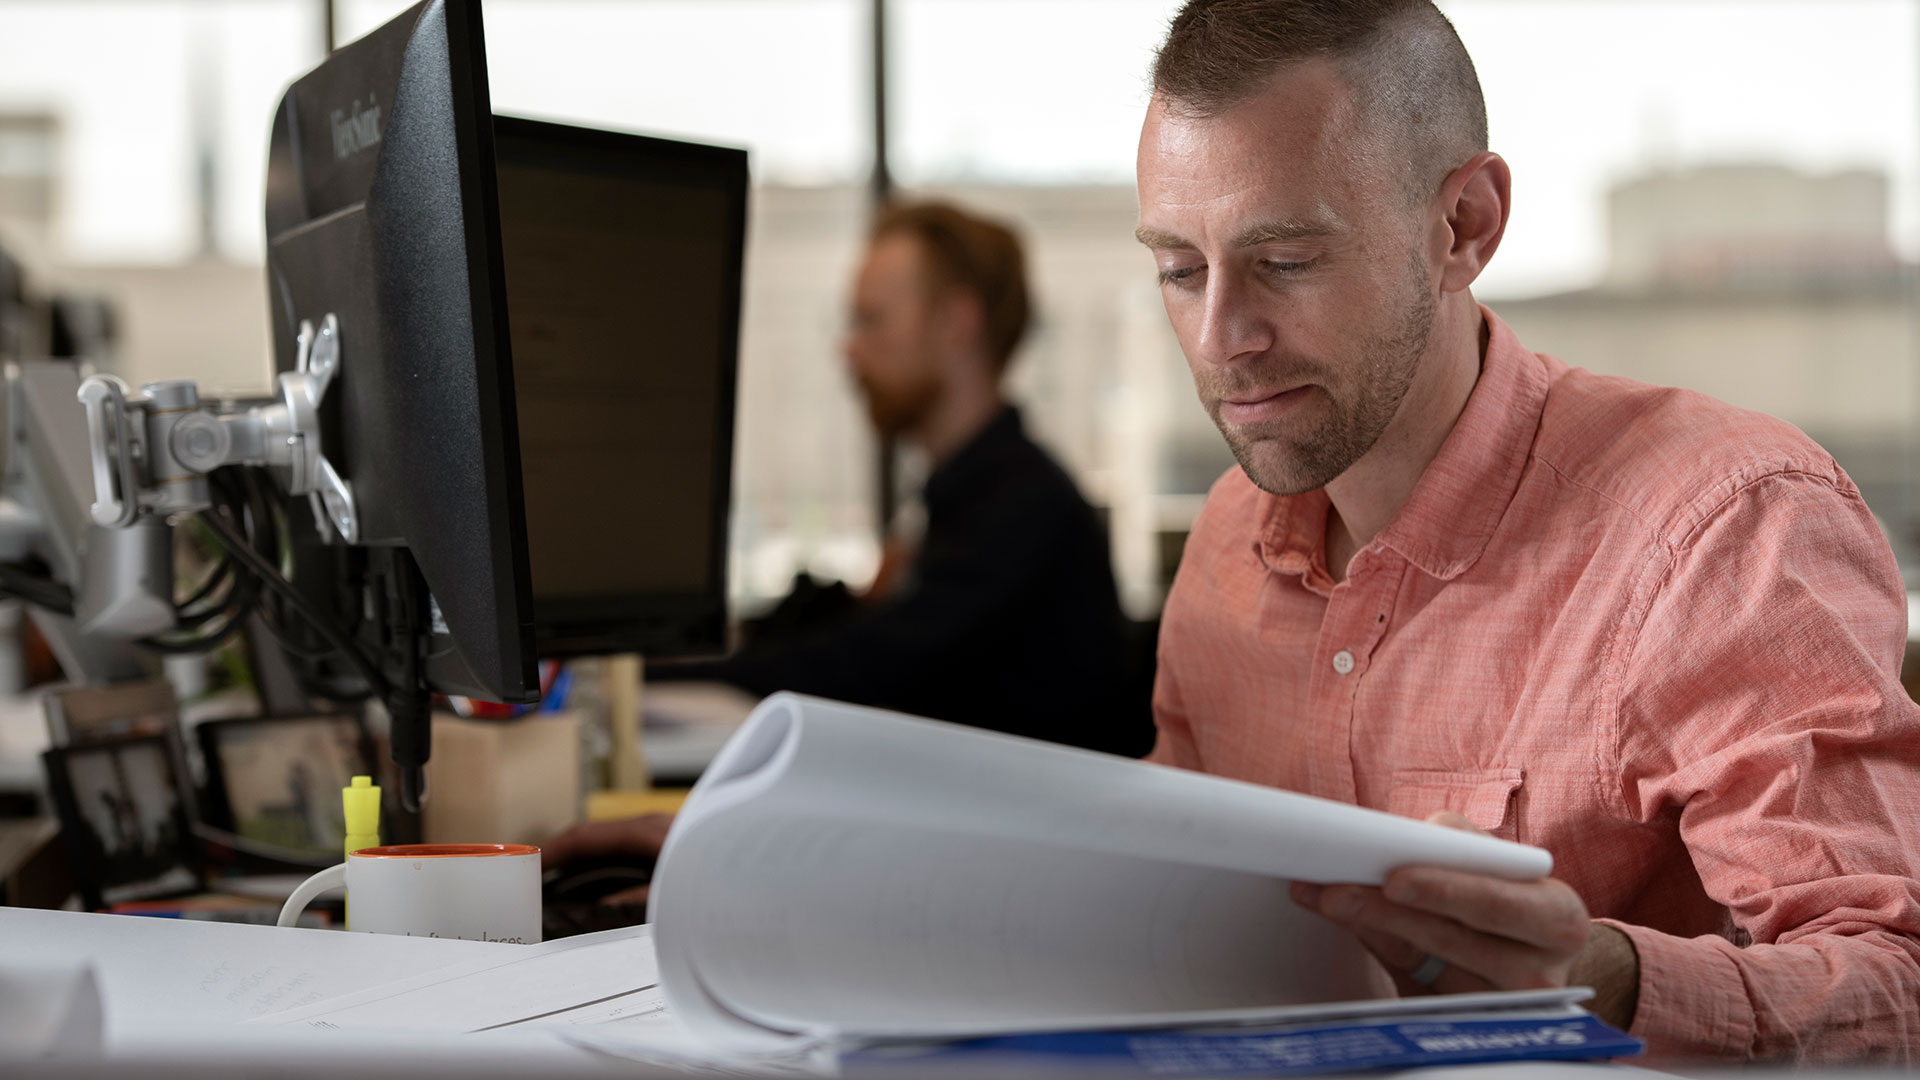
[[1487, 797]]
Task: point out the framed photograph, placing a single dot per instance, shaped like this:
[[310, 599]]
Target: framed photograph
[[82, 715], [125, 810], [277, 780]]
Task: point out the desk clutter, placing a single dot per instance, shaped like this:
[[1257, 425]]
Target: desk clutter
[[151, 809], [215, 820], [141, 836], [851, 891]]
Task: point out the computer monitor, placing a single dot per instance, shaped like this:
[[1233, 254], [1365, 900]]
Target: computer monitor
[[381, 212], [534, 401], [623, 271]]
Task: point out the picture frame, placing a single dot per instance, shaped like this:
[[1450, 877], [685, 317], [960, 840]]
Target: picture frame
[[276, 780], [88, 715], [126, 813]]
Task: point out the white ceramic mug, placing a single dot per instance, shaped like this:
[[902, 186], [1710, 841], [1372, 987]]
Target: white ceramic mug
[[480, 892]]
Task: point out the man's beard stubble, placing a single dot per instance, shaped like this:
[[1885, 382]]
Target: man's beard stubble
[[1351, 426], [897, 408]]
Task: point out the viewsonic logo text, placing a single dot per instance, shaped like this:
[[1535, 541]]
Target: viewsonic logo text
[[356, 129]]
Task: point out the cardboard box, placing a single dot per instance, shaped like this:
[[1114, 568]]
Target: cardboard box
[[502, 781]]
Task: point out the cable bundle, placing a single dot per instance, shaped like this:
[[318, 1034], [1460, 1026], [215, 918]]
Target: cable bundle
[[246, 521]]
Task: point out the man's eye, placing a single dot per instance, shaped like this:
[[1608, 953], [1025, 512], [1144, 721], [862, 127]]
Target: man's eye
[[1181, 275], [1285, 269]]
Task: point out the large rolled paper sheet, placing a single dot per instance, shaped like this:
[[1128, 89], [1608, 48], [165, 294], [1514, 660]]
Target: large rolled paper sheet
[[849, 872]]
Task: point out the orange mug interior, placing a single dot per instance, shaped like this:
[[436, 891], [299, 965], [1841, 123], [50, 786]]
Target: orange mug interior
[[443, 851]]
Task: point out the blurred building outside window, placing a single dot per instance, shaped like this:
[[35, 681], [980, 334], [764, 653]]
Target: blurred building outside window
[[1684, 213]]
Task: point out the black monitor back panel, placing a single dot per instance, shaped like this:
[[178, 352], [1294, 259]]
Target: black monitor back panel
[[381, 209]]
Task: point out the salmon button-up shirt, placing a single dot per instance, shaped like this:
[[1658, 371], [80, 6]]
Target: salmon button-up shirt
[[1654, 634]]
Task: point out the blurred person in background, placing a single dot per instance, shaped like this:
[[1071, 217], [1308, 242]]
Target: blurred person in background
[[1004, 614]]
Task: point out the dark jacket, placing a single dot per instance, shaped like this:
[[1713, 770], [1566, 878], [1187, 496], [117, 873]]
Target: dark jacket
[[1009, 619]]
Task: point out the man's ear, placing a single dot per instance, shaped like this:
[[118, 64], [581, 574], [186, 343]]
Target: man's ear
[[1474, 202], [962, 319]]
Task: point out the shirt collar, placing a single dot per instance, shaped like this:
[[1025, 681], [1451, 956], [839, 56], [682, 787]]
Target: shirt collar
[[1293, 537], [1460, 498]]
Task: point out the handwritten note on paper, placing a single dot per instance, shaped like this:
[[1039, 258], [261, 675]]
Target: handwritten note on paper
[[159, 972], [594, 978], [260, 990]]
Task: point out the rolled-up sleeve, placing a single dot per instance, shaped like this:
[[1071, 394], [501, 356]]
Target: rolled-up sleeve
[[1761, 709]]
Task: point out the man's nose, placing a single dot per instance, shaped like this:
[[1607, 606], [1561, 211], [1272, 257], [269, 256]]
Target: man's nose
[[1231, 323]]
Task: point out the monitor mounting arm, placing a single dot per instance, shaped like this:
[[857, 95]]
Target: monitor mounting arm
[[151, 450]]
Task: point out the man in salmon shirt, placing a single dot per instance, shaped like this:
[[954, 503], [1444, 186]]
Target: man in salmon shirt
[[1452, 578]]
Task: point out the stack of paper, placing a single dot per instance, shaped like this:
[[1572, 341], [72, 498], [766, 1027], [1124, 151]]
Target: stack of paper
[[142, 992], [158, 974], [847, 873], [601, 992]]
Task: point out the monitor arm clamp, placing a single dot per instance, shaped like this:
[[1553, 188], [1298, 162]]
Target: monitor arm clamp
[[151, 450]]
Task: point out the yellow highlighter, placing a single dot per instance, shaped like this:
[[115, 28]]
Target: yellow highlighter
[[362, 804]]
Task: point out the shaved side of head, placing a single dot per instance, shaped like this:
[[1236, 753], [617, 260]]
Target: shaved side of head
[[1409, 72]]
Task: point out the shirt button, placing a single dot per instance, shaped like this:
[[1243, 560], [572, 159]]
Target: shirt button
[[1343, 662]]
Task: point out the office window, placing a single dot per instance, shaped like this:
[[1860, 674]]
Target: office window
[[1714, 195], [161, 114], [29, 142], [1688, 213], [784, 78], [1717, 195], [992, 111], [133, 143]]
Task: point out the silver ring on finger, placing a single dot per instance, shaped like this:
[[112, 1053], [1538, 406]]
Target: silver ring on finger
[[1427, 972]]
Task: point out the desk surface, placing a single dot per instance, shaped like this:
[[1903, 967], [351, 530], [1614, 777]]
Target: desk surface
[[613, 805]]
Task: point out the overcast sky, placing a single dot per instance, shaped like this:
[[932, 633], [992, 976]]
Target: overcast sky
[[1580, 93]]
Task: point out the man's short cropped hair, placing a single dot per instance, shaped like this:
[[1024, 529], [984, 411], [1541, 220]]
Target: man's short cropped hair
[[1409, 72], [968, 252]]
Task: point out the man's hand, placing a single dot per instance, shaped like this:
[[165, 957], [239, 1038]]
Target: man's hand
[[635, 838], [1492, 934]]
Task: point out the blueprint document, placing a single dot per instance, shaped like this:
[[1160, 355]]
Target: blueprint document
[[597, 991], [601, 992], [849, 874], [603, 978], [160, 975]]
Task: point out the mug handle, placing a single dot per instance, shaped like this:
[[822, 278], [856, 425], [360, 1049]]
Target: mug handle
[[333, 877]]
